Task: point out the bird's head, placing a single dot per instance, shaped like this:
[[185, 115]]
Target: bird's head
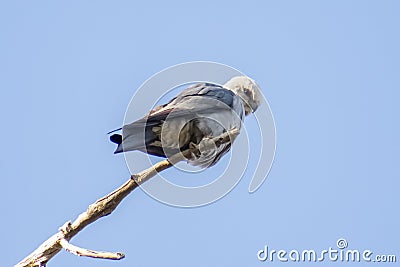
[[248, 90]]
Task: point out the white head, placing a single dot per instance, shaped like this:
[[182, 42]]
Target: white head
[[248, 90]]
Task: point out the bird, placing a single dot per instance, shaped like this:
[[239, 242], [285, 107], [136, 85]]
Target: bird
[[191, 119]]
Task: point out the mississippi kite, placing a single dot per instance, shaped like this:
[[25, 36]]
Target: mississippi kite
[[194, 116]]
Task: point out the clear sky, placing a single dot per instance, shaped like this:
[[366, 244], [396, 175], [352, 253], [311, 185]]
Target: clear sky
[[329, 69]]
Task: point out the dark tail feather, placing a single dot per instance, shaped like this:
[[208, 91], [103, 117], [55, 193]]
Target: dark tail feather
[[116, 138], [136, 139]]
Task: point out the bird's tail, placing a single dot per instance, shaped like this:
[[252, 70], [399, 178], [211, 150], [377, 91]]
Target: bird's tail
[[136, 138], [117, 138]]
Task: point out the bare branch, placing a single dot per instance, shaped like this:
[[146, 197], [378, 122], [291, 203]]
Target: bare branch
[[105, 206], [90, 253]]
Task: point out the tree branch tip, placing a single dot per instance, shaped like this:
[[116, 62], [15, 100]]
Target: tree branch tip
[[90, 253], [233, 133], [120, 255]]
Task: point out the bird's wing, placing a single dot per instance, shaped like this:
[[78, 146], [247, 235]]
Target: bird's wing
[[195, 101], [197, 98], [201, 89]]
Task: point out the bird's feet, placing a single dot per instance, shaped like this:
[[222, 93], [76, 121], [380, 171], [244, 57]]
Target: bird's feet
[[206, 148], [195, 151]]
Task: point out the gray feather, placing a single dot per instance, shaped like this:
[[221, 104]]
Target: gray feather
[[195, 111]]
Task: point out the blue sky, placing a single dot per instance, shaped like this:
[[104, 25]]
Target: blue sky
[[329, 69]]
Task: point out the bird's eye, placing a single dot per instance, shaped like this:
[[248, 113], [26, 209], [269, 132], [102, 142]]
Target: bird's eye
[[246, 91]]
